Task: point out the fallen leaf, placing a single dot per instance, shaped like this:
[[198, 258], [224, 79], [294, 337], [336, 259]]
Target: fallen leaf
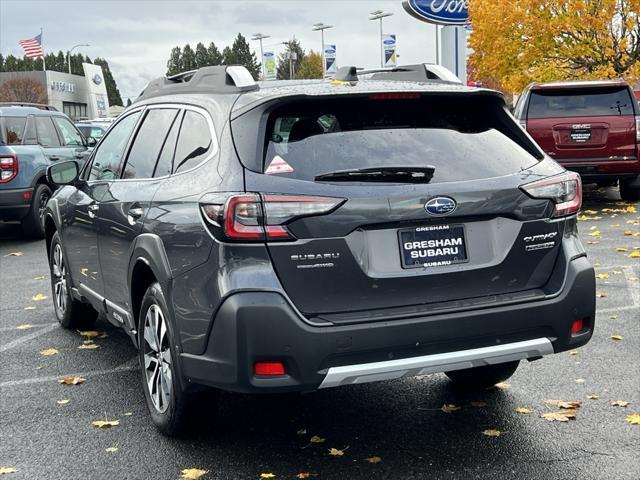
[[490, 432], [593, 397], [29, 308], [39, 296], [449, 407], [633, 419], [193, 473], [5, 470], [602, 276], [613, 317], [89, 333], [523, 410], [25, 326], [128, 414], [628, 233], [302, 431], [631, 209], [590, 212], [621, 249], [63, 402], [571, 405], [303, 475], [111, 449], [616, 337], [374, 459], [580, 380], [83, 271], [502, 385], [49, 351], [336, 452], [14, 254], [593, 242], [602, 294], [617, 272], [619, 403], [105, 423], [561, 416], [573, 352], [71, 380], [267, 475], [635, 254], [88, 346], [316, 439], [41, 277], [595, 233], [477, 404]]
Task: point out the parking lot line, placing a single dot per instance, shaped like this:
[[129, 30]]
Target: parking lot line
[[19, 341]]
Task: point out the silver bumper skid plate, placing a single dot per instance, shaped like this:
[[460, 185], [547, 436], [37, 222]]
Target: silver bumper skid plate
[[440, 362]]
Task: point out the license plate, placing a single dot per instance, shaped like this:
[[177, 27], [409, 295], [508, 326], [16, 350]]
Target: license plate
[[580, 135], [432, 246]]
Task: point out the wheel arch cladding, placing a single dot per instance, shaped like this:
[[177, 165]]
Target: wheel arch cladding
[[49, 231]]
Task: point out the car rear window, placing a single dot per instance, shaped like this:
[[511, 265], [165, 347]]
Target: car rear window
[[462, 137], [12, 130], [584, 102]]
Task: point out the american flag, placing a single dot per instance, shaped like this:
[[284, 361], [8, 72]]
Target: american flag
[[33, 47]]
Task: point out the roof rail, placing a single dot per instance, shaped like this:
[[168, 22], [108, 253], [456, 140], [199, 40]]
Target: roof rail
[[215, 79], [41, 106], [420, 72]]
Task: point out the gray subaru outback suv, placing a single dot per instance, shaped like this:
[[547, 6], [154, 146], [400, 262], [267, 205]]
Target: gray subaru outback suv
[[294, 236]]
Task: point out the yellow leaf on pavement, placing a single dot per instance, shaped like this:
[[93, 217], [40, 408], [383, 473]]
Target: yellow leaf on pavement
[[105, 423], [316, 439], [41, 277], [602, 276], [449, 407], [635, 254], [39, 296], [619, 403], [89, 333], [580, 380], [63, 402], [621, 249], [25, 326], [14, 254], [193, 473], [593, 397], [523, 410], [5, 470], [571, 405], [491, 432], [631, 209], [374, 459], [634, 419], [573, 352], [88, 346], [111, 449], [561, 416], [502, 385], [616, 337], [49, 351], [71, 380], [267, 475], [336, 452], [590, 212], [303, 475], [595, 233], [602, 294]]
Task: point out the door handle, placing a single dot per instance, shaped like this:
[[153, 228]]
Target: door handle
[[92, 209], [54, 158]]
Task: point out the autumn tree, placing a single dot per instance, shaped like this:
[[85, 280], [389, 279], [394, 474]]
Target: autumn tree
[[22, 90], [311, 66], [516, 42]]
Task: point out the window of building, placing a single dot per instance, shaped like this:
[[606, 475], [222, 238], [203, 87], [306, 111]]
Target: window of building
[[75, 111]]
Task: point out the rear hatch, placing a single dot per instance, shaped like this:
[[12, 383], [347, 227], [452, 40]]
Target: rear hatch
[[583, 124], [422, 206]]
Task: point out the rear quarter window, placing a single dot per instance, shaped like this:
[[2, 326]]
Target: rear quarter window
[[580, 102], [12, 130]]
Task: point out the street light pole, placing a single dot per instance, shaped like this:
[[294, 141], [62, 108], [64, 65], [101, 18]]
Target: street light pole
[[260, 36], [71, 50], [379, 15], [322, 27]]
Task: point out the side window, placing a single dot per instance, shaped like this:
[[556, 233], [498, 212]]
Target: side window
[[70, 135], [106, 160], [194, 142], [47, 136], [144, 153], [13, 129], [165, 162]]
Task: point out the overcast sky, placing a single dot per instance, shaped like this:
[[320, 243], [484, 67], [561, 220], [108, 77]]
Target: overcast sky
[[136, 36]]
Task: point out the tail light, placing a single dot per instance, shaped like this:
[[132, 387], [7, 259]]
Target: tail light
[[565, 190], [637, 128], [253, 217], [8, 168]]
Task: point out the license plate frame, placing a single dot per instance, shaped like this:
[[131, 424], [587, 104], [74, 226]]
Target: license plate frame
[[433, 232]]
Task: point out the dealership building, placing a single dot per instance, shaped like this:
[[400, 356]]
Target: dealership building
[[77, 96]]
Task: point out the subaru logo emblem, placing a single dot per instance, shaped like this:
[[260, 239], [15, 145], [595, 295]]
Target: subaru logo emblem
[[440, 206]]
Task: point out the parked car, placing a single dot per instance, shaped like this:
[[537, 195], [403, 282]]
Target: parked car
[[92, 129], [590, 127], [32, 137], [293, 237]]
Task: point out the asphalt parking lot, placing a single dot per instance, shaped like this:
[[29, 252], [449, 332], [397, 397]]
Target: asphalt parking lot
[[384, 430]]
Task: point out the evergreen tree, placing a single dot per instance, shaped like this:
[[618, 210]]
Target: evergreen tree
[[51, 62], [174, 65], [112, 89], [10, 64], [283, 59], [215, 57], [26, 64], [1, 63], [61, 62], [188, 58], [202, 56], [228, 57], [241, 55], [37, 64]]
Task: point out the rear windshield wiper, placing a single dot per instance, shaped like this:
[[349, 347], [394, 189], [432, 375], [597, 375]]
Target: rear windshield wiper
[[381, 174]]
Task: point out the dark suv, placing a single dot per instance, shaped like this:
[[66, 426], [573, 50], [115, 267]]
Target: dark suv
[[296, 236], [590, 127]]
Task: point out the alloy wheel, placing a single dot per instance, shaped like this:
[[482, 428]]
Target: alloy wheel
[[59, 271], [157, 358]]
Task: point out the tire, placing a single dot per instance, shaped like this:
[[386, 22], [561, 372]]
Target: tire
[[629, 193], [483, 377], [168, 402], [32, 224], [71, 313]]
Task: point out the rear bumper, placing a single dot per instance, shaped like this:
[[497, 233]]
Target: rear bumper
[[263, 326], [602, 167], [13, 204]]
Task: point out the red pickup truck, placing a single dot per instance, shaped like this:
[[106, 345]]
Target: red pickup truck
[[590, 127]]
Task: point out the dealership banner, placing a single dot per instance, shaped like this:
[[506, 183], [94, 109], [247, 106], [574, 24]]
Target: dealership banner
[[269, 64], [389, 49], [98, 101], [330, 65]]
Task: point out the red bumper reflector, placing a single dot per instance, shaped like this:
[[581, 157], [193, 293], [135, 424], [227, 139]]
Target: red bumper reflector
[[26, 195], [577, 326], [269, 368]]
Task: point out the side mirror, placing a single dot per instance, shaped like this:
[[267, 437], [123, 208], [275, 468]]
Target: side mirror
[[63, 173], [91, 142]]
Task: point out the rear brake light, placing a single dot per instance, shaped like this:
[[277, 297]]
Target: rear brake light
[[8, 168], [637, 128], [565, 190], [251, 217]]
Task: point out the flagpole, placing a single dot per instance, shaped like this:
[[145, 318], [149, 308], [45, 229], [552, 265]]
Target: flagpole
[[44, 63]]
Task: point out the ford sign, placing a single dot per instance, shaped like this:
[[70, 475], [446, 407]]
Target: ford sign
[[444, 12], [440, 206], [389, 42], [329, 50], [97, 79]]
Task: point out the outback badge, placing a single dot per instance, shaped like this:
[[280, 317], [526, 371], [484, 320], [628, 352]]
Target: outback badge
[[440, 206]]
